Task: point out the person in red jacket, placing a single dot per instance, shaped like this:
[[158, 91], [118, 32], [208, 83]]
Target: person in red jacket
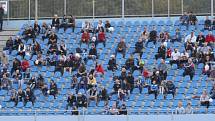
[[25, 65], [101, 38], [99, 69], [210, 38], [85, 38]]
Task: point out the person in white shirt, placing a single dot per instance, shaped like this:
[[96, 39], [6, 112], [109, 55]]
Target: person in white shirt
[[175, 56], [184, 57], [191, 37], [189, 109], [204, 100], [180, 109]]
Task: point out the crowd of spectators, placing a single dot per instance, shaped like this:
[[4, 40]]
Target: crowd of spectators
[[197, 49]]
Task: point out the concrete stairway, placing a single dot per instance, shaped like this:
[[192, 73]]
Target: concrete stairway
[[4, 35]]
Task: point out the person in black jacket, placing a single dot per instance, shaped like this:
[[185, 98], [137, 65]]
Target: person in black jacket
[[139, 47], [56, 21], [81, 100], [152, 37], [1, 16], [20, 95], [161, 52], [112, 63], [130, 80], [92, 53], [53, 89], [71, 101], [29, 96], [169, 89]]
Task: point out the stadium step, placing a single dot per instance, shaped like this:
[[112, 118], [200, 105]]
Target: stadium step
[[4, 35]]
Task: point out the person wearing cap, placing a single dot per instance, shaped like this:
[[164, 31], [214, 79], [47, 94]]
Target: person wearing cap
[[112, 63]]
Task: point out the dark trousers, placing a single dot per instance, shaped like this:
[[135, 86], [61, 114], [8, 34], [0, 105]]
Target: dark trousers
[[1, 24]]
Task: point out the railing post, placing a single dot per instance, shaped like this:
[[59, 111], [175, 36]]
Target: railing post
[[152, 8], [168, 9], [172, 113], [29, 11], [36, 9], [123, 9], [35, 115], [93, 10], [182, 7], [64, 7], [212, 9], [8, 12]]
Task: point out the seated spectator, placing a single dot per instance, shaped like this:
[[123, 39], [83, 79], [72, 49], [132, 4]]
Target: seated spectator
[[32, 82], [5, 83], [121, 94], [71, 22], [121, 47], [13, 96], [52, 38], [45, 90], [183, 58], [189, 109], [129, 64], [103, 95], [87, 26], [85, 38], [207, 25], [116, 87], [4, 60], [82, 70], [39, 61], [93, 95], [139, 47], [99, 69], [56, 22], [64, 23], [53, 48], [200, 39], [184, 19], [75, 110], [29, 33], [189, 69], [46, 32], [152, 37], [130, 81], [140, 83], [21, 50], [25, 65], [191, 38], [177, 36], [60, 66], [114, 109], [36, 48], [112, 63], [101, 38], [192, 18], [161, 52], [91, 81], [37, 28], [169, 89], [92, 53], [17, 42], [83, 83], [168, 52], [81, 100], [20, 95], [71, 101], [16, 65], [153, 89], [180, 109], [29, 96], [123, 109], [100, 26], [53, 90], [9, 44], [204, 100], [145, 35], [175, 56], [162, 67], [44, 28], [108, 27], [212, 92], [17, 74], [210, 39]]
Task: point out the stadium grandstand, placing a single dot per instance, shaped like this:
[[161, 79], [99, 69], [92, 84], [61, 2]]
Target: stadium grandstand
[[107, 60]]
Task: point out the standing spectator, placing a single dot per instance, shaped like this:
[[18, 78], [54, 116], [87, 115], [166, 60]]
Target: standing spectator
[[189, 109], [1, 16], [53, 89], [121, 47], [139, 47], [71, 22], [161, 52], [162, 67], [184, 19], [56, 22], [180, 109], [87, 26], [152, 37], [207, 25], [204, 100], [153, 89]]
